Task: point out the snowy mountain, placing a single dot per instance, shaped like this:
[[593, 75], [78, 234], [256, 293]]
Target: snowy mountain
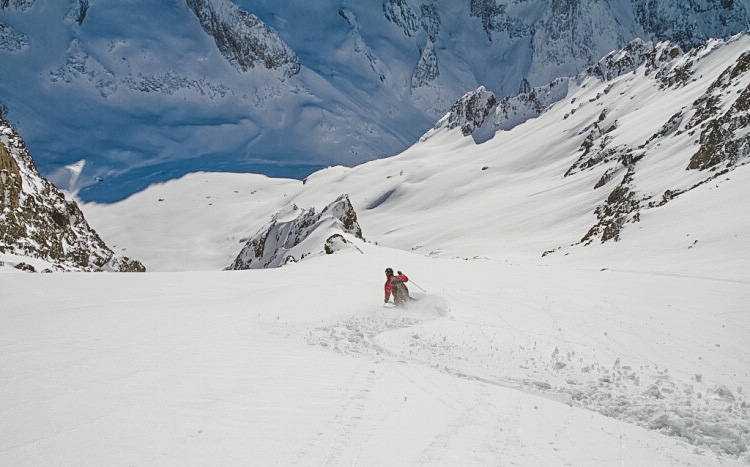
[[720, 116], [36, 221], [582, 284], [154, 90], [294, 234], [594, 167]]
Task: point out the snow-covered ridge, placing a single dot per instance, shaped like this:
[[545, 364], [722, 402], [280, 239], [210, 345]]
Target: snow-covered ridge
[[530, 103], [718, 116], [295, 234], [597, 166]]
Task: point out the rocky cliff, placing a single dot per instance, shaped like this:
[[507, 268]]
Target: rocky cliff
[[243, 38], [295, 233], [37, 221]]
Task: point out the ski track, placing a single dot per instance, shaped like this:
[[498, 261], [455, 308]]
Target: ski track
[[708, 417], [338, 431]]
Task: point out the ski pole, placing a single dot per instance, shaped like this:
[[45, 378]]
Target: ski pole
[[417, 286]]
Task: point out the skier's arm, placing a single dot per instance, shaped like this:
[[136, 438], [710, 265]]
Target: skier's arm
[[387, 291]]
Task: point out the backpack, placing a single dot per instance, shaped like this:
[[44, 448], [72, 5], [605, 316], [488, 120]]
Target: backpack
[[399, 289]]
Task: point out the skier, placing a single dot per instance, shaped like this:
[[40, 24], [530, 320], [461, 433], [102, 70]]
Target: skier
[[395, 284]]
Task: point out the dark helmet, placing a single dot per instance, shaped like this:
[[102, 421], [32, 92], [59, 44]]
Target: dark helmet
[[388, 272]]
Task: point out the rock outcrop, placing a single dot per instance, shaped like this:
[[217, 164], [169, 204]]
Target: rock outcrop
[[294, 234], [424, 22], [724, 140], [512, 111], [243, 38], [17, 4], [37, 221], [12, 40], [718, 120], [471, 111]]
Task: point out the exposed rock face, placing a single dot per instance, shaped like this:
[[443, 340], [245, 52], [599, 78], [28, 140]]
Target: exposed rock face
[[79, 12], [621, 206], [296, 233], [37, 221], [495, 18], [12, 40], [690, 24], [427, 68], [243, 38], [632, 56], [401, 14], [512, 111], [566, 36], [725, 140], [18, 4], [430, 20], [470, 112], [426, 24], [721, 117]]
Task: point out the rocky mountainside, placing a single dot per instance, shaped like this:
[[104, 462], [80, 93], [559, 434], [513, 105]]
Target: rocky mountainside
[[242, 38], [719, 119], [288, 87], [480, 113], [37, 221], [717, 122], [634, 155], [294, 234]]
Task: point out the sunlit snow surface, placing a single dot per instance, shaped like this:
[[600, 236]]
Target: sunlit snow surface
[[499, 363], [625, 353]]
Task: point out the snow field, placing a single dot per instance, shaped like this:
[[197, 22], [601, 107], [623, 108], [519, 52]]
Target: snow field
[[304, 365]]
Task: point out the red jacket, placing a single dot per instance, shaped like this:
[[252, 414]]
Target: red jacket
[[389, 288]]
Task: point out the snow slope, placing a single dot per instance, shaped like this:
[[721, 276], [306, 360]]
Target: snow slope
[[498, 364], [632, 352]]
